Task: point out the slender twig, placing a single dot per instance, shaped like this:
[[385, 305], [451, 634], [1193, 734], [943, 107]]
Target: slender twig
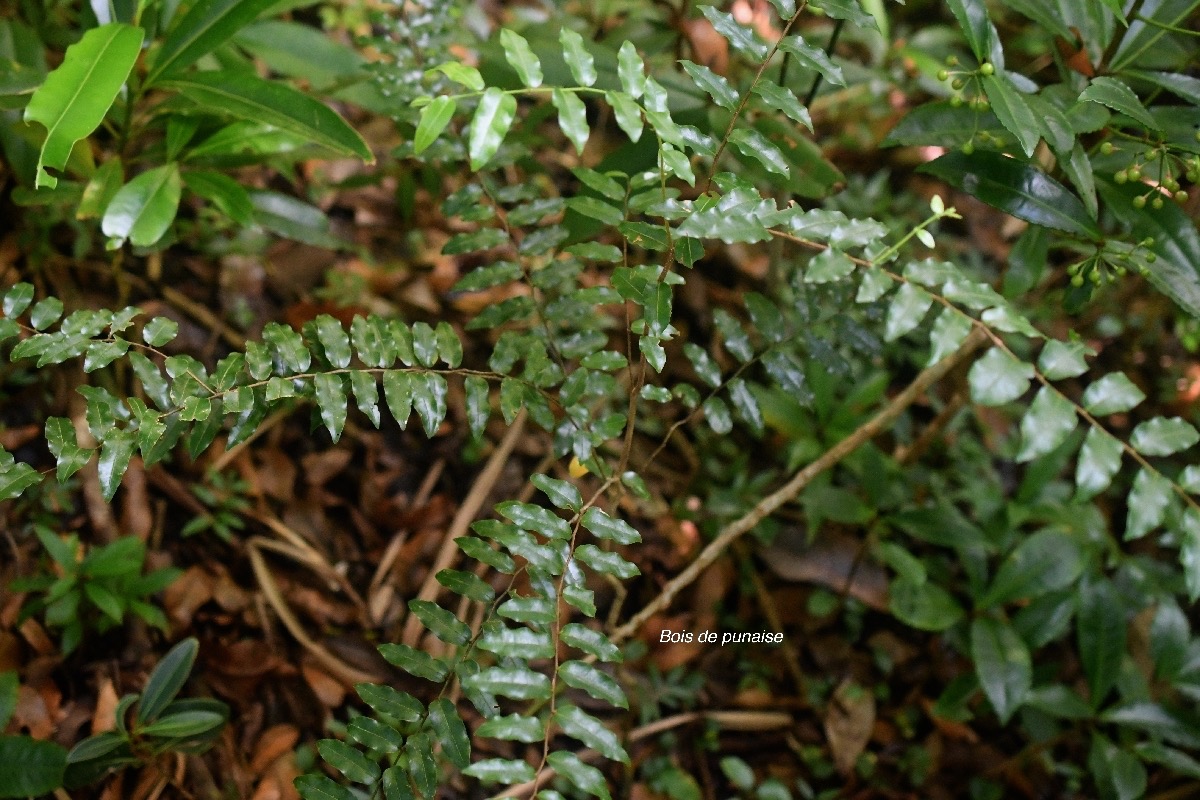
[[788, 492]]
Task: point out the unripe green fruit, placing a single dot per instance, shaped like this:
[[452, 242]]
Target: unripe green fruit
[[1156, 203], [1135, 173], [1120, 176], [1094, 276], [1122, 271], [1171, 185], [1139, 202], [1181, 197], [1151, 258], [942, 75], [1107, 148], [987, 69], [1077, 280], [956, 101], [958, 84], [951, 61], [968, 148]]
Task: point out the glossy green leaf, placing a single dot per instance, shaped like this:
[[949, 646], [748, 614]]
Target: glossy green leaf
[[478, 404], [17, 299], [1112, 394], [923, 605], [1117, 773], [330, 390], [627, 113], [606, 562], [320, 787], [246, 96], [466, 584], [1099, 461], [348, 761], [1163, 436], [520, 56], [429, 391], [366, 394], [782, 99], [582, 776], [115, 453], [440, 622], [631, 71], [572, 118], [493, 117], [143, 209], [1013, 111], [596, 683], [604, 526], [1183, 86], [1148, 501], [812, 57], [519, 683], [451, 732], [1045, 562], [1015, 188], [1175, 272], [949, 331], [753, 144], [590, 641], [579, 60], [514, 727], [714, 85], [167, 679], [461, 73], [414, 662], [64, 446], [201, 30], [580, 725], [1047, 424], [1100, 633], [1119, 97], [390, 702], [561, 493], [973, 21], [374, 735], [942, 124], [500, 770], [741, 38], [906, 311], [75, 97], [536, 519], [998, 378], [830, 265], [1060, 360], [30, 767], [517, 643], [433, 120], [1003, 665]]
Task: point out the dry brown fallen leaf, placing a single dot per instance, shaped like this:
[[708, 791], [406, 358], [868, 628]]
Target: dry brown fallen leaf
[[849, 720]]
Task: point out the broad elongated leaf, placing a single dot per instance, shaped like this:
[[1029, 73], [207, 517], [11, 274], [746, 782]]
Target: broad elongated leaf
[[513, 727], [782, 99], [493, 117], [517, 683], [1100, 632], [201, 30], [812, 57], [74, 98], [590, 641], [500, 770], [1015, 188], [143, 209], [1157, 18], [1060, 360], [627, 113], [238, 94], [583, 776], [167, 679], [414, 662], [907, 310], [519, 55], [1043, 563], [973, 20], [390, 702], [941, 124], [598, 684], [1003, 665]]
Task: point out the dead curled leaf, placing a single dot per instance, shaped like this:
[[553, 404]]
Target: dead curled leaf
[[849, 721]]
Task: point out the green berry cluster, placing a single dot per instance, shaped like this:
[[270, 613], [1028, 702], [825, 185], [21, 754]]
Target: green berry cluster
[[1109, 266], [960, 79], [1164, 168]]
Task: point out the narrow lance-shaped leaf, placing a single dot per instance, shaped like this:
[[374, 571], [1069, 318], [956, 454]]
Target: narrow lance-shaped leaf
[[753, 144], [1013, 112], [1003, 665], [1119, 97], [236, 93], [74, 98], [201, 30], [143, 209], [714, 85]]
